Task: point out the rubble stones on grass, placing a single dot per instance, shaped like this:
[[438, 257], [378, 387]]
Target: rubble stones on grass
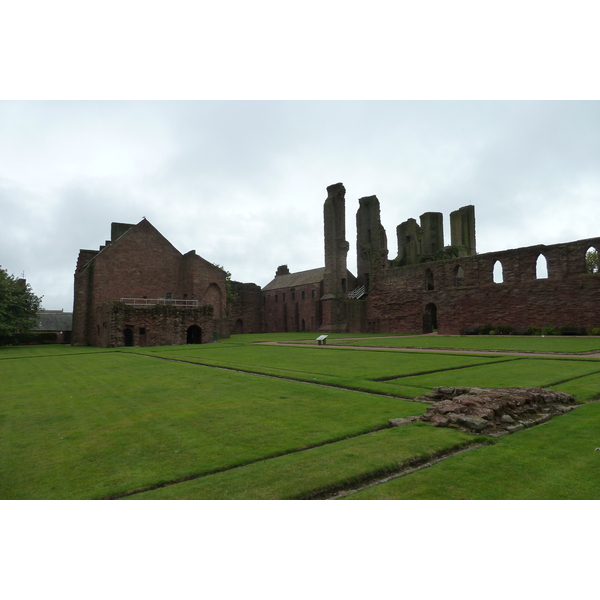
[[493, 411]]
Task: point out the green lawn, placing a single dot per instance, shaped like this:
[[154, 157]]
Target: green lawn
[[497, 343], [557, 460], [273, 422], [306, 473], [94, 425], [519, 372]]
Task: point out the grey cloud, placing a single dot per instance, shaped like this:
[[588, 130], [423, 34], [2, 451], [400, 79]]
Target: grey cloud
[[243, 183]]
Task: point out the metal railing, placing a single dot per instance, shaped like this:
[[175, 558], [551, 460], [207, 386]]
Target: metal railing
[[357, 293], [155, 301]]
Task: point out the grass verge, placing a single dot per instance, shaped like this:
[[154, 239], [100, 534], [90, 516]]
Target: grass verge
[[553, 461], [318, 470]]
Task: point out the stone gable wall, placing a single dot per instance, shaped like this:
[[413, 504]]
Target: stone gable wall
[[141, 263]]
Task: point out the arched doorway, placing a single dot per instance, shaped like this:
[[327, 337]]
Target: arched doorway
[[128, 337], [239, 326], [430, 323], [194, 335]]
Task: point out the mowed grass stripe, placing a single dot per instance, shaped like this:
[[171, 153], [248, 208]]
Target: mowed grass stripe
[[315, 362], [556, 460], [92, 426], [502, 343], [523, 372], [327, 468]]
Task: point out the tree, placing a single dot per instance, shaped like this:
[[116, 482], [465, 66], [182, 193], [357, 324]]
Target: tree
[[231, 295], [18, 305], [591, 261]]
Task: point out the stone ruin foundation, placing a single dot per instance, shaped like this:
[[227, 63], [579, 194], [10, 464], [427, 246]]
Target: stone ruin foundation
[[488, 411]]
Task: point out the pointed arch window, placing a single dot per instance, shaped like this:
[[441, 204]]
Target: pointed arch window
[[541, 267], [498, 272], [591, 260], [459, 276]]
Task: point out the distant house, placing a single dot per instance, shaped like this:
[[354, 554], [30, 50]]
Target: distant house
[[139, 290], [292, 301], [55, 321]]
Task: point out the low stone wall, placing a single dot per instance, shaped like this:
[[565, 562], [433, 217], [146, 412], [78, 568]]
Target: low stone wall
[[494, 412]]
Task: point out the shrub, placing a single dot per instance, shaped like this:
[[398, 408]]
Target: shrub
[[503, 330], [572, 330], [595, 331], [550, 330]]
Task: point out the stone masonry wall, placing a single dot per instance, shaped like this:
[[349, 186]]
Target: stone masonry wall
[[568, 296], [155, 326], [141, 264], [293, 309], [245, 313]]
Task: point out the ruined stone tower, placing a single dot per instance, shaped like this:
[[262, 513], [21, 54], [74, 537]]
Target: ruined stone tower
[[462, 230], [371, 241], [335, 277]]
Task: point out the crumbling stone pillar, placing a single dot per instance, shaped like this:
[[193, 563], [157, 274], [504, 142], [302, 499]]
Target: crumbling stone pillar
[[432, 229], [462, 229], [409, 242], [371, 241], [335, 277]]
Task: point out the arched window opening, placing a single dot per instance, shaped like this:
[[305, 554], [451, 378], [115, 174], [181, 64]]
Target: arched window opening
[[591, 261], [541, 267], [498, 272], [459, 276], [429, 280]]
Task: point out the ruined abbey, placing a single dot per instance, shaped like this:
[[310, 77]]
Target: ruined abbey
[[139, 290]]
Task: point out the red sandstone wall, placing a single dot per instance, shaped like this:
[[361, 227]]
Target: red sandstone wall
[[141, 263], [569, 296], [287, 310], [245, 314]]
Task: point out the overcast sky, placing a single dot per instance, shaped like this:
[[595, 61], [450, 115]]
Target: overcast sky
[[243, 183]]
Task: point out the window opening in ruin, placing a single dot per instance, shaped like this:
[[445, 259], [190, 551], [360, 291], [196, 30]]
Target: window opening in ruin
[[128, 337], [459, 276], [303, 325], [313, 294], [430, 321], [591, 261], [498, 272], [429, 280], [303, 296], [142, 331], [169, 296], [293, 295], [239, 326], [276, 298], [344, 286], [541, 267], [283, 299], [194, 335]]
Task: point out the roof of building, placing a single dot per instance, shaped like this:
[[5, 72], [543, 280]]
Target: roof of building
[[294, 279], [53, 320]]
